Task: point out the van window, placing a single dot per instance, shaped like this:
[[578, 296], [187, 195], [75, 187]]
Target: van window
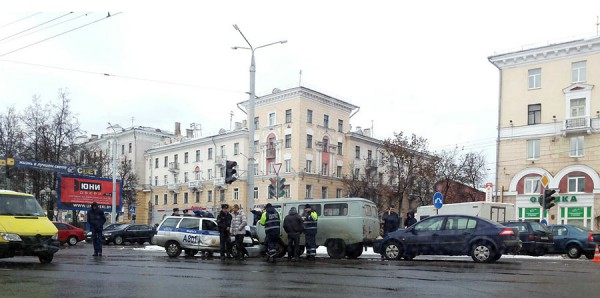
[[170, 222], [209, 225], [340, 209], [374, 211], [190, 223], [367, 210], [315, 207]]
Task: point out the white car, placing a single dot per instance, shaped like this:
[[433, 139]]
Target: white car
[[196, 234]]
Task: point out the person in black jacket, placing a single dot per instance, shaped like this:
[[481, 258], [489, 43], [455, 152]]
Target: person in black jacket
[[271, 220], [224, 226], [391, 220], [96, 219], [293, 226], [410, 219]]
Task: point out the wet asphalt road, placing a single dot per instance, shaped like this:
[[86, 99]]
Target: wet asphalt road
[[132, 271]]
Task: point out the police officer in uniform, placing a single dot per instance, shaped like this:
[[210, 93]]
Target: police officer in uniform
[[224, 226], [310, 231], [272, 222]]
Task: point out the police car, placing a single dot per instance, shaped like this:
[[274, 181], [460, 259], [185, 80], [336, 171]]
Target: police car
[[196, 234]]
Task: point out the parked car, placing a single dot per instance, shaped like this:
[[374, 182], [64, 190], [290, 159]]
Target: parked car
[[574, 241], [129, 233], [68, 233], [107, 226], [536, 238], [482, 239]]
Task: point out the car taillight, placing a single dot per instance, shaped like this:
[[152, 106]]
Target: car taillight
[[590, 237], [531, 237], [507, 232]]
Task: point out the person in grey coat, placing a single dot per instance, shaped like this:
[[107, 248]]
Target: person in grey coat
[[238, 229], [293, 226]]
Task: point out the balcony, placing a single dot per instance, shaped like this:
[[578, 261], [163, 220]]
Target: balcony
[[219, 182], [173, 187], [271, 153], [577, 125], [371, 163], [174, 167], [195, 185], [146, 187], [220, 160]]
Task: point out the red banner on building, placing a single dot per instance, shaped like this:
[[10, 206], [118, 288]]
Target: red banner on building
[[78, 193]]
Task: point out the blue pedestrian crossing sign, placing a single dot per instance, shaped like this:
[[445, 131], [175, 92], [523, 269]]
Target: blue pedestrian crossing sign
[[438, 200]]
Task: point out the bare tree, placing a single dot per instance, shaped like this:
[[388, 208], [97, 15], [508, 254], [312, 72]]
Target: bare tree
[[368, 185], [473, 169], [11, 145], [448, 169], [129, 181]]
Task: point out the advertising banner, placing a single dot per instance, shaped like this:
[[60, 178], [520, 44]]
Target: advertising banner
[[53, 167], [79, 192]]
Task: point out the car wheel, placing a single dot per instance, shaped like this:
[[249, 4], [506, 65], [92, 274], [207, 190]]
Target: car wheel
[[392, 251], [118, 240], [336, 248], [72, 240], [173, 249], [46, 258], [482, 252], [573, 251], [354, 251]]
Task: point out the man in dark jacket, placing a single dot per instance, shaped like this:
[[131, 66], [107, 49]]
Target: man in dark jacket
[[272, 222], [410, 219], [391, 220], [224, 226], [310, 218], [293, 226], [96, 219]]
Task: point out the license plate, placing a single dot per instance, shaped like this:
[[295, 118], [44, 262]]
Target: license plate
[[544, 238]]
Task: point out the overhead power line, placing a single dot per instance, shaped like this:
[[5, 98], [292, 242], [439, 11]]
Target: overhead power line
[[8, 24], [46, 22], [32, 32]]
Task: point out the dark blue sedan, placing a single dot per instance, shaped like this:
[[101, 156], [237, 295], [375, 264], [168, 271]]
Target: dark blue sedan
[[482, 239], [574, 241]]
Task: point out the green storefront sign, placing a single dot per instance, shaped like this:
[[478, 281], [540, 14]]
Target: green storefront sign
[[557, 199], [532, 212], [575, 212]]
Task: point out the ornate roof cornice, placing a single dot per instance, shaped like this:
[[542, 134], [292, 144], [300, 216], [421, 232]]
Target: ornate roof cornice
[[546, 53]]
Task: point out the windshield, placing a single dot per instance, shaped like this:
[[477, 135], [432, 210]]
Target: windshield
[[536, 226], [20, 205]]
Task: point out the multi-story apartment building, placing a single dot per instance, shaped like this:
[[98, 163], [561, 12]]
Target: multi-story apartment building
[[549, 124], [301, 135]]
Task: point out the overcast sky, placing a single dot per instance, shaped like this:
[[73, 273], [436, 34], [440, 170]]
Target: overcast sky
[[413, 66]]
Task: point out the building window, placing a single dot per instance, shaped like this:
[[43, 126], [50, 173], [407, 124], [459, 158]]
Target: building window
[[186, 158], [236, 194], [166, 164], [165, 199], [210, 153], [578, 71], [577, 107], [356, 173], [288, 165], [339, 172], [209, 196], [256, 146], [533, 149], [155, 180], [288, 116], [535, 78], [236, 148], [185, 198], [156, 163], [326, 121], [197, 155], [369, 155], [197, 176], [255, 193], [122, 149], [165, 180], [576, 147], [175, 178], [325, 169], [209, 173], [186, 177], [340, 125], [324, 192], [308, 166], [308, 141], [222, 195], [576, 184], [130, 147], [357, 152], [223, 151], [176, 158], [288, 141], [309, 116], [309, 191], [339, 148], [534, 114], [155, 200], [338, 192], [197, 197], [532, 186], [272, 119], [325, 145], [256, 123], [286, 190]]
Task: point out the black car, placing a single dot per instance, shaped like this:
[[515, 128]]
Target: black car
[[536, 237], [574, 241], [107, 227], [130, 233], [482, 239]]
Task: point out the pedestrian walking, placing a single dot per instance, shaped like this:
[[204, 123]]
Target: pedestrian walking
[[410, 219], [224, 226], [238, 229], [293, 226], [391, 220], [96, 219], [272, 222], [310, 218]]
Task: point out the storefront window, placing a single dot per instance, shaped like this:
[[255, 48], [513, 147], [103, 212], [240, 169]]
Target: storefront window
[[577, 216]]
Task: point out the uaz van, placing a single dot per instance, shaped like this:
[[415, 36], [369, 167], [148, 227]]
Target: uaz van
[[24, 228], [345, 225]]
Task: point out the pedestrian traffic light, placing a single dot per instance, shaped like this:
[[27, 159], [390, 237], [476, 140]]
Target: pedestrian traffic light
[[548, 199], [272, 187], [281, 187], [230, 171]]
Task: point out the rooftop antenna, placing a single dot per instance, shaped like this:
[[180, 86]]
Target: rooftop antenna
[[132, 118], [597, 24], [300, 78], [230, 118]]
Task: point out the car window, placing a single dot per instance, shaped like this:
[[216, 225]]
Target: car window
[[209, 225], [315, 207], [367, 210], [190, 223], [430, 224], [536, 226], [374, 212], [170, 222], [459, 223], [560, 231], [340, 209]]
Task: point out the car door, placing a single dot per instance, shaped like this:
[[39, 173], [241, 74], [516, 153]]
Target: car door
[[209, 236], [130, 233], [454, 237], [189, 233], [423, 237], [561, 234]]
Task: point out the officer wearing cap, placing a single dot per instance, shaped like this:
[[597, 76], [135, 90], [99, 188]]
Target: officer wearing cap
[[175, 212], [224, 226], [272, 222], [310, 231]]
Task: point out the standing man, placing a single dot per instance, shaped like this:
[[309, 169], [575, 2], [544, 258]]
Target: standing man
[[238, 229], [96, 219], [272, 222], [310, 232], [293, 226], [224, 226], [410, 219], [391, 220]]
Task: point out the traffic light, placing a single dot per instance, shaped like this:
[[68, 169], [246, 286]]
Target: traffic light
[[272, 187], [230, 171], [548, 199], [281, 187]]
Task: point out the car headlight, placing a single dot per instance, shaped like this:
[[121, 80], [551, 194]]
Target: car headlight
[[55, 236], [10, 237]]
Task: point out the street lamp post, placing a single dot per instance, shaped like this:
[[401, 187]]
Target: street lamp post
[[250, 180], [114, 175]]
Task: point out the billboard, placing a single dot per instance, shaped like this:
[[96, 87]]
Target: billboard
[[79, 192]]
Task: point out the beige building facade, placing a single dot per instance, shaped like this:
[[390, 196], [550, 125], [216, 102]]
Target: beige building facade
[[549, 131]]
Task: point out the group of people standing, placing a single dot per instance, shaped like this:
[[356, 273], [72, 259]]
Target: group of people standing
[[231, 223], [391, 220]]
